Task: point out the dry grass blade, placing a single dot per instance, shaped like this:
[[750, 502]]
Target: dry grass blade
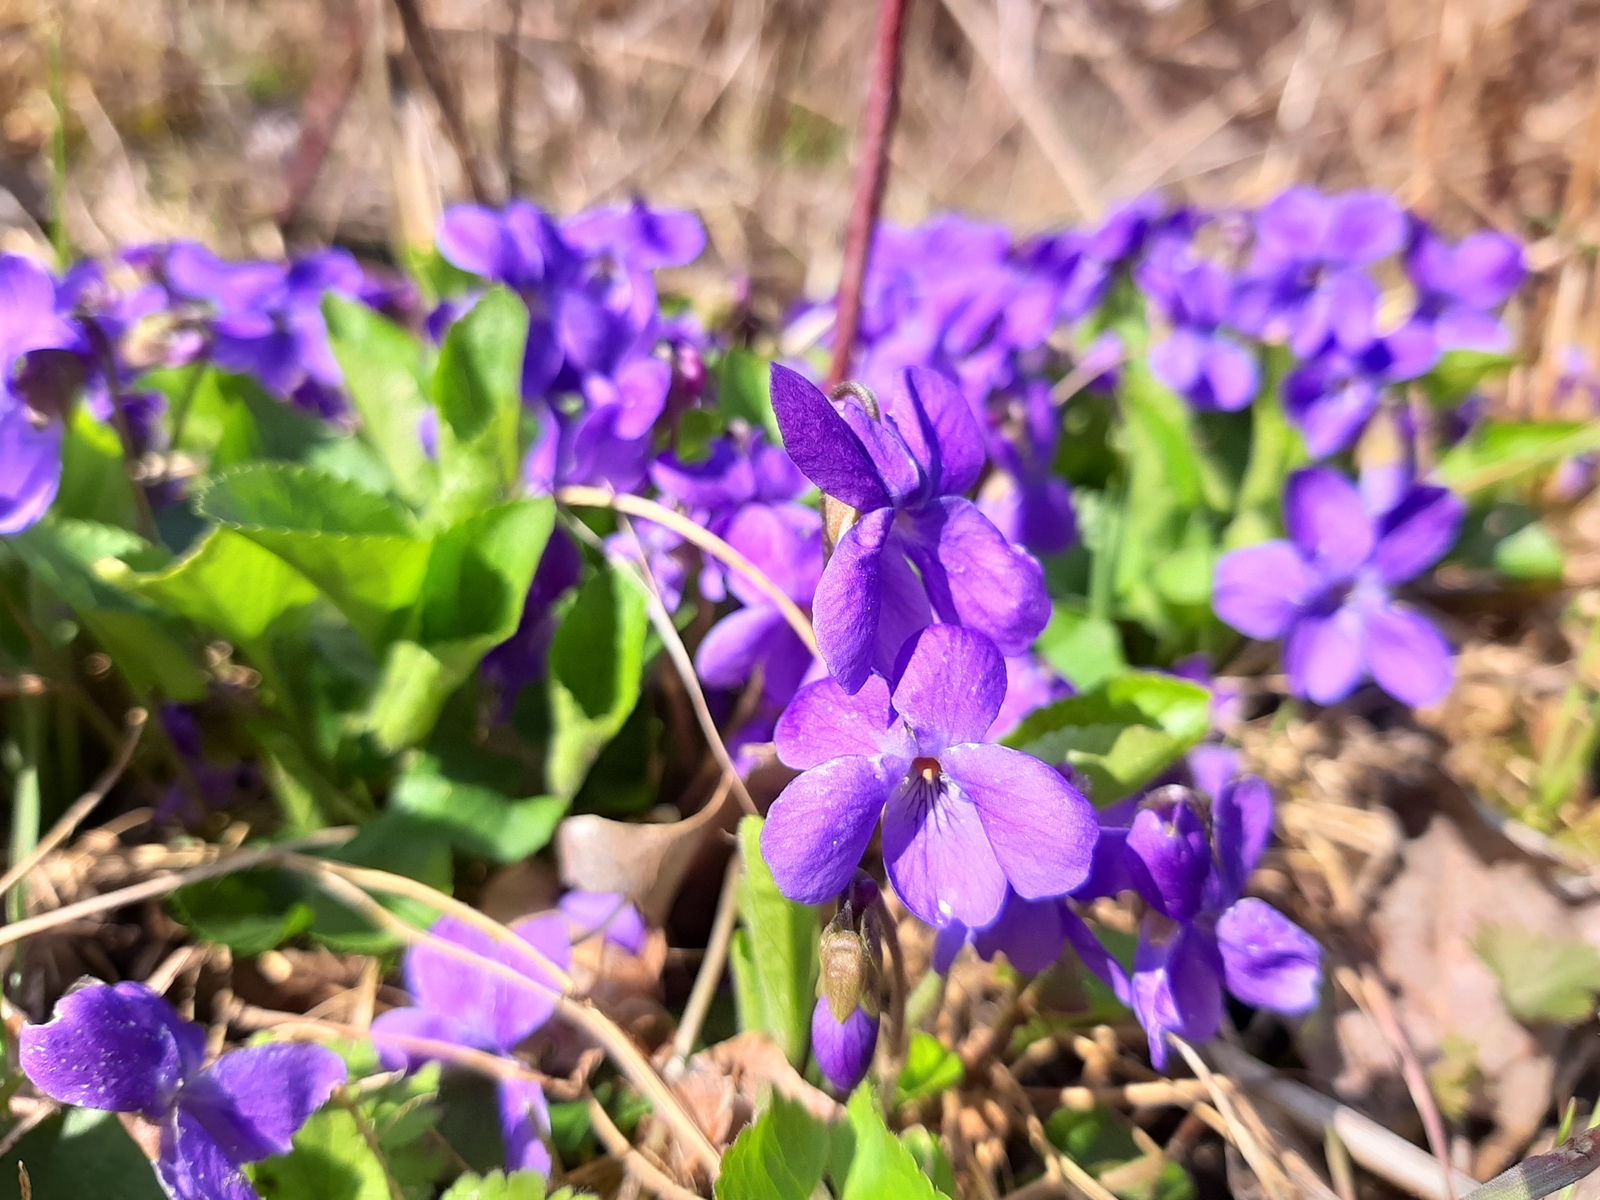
[[628, 1057], [710, 973], [443, 86], [698, 535], [647, 1173], [83, 806], [1273, 1180]]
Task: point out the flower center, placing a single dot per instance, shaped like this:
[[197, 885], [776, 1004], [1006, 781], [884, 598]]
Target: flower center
[[927, 768]]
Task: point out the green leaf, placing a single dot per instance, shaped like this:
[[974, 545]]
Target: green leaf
[[930, 1068], [396, 843], [779, 1157], [1121, 735], [1086, 650], [475, 819], [775, 976], [250, 913], [94, 478], [497, 1185], [930, 1157], [1530, 553], [1102, 1142], [81, 1152], [743, 391], [229, 585], [351, 1149], [1542, 978], [386, 383], [472, 595], [880, 1167], [146, 645], [1459, 372], [359, 548], [1498, 452], [477, 387], [597, 659]]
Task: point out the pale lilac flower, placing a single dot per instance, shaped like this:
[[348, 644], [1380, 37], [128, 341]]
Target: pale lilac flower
[[1326, 590], [963, 819]]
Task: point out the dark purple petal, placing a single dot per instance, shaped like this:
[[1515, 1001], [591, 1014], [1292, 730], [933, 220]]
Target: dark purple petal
[[728, 654], [937, 424], [1294, 225], [192, 1166], [899, 470], [1095, 956], [843, 1051], [1176, 988], [1322, 513], [1241, 827], [824, 722], [252, 1101], [938, 855], [1416, 533], [947, 943], [1212, 767], [974, 577], [1176, 856], [119, 1048], [819, 826], [1330, 407], [1323, 655], [905, 610], [524, 1125], [609, 913], [950, 687], [641, 389], [1260, 590], [1268, 961], [1028, 932], [1029, 685], [849, 600], [822, 445], [419, 1023], [493, 1011], [1406, 653], [1042, 829]]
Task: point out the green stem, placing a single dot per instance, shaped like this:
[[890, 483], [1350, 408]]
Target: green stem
[[24, 793], [1103, 566]]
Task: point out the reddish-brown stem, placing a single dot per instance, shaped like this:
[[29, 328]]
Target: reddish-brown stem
[[445, 93], [320, 113], [872, 173]]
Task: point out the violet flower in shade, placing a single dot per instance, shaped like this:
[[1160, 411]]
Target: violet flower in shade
[[1326, 590], [462, 1004], [843, 1049], [122, 1048], [1333, 395], [1032, 934], [520, 659], [1025, 499], [641, 237], [962, 819], [1197, 359], [609, 914], [1198, 936], [920, 551], [30, 437], [1307, 280], [1459, 286]]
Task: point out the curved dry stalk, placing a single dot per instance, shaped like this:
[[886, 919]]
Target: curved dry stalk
[[163, 885], [637, 506], [710, 973], [652, 1176], [82, 807], [580, 1012], [662, 620]]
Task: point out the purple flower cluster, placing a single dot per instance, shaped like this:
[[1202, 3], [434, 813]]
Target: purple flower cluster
[[123, 1049]]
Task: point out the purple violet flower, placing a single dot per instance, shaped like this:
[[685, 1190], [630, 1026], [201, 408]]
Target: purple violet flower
[[962, 819], [1459, 286], [1197, 360], [844, 1049], [1198, 937], [1326, 589], [920, 551], [122, 1048], [1307, 280], [607, 913], [1332, 396], [1025, 499], [464, 1005]]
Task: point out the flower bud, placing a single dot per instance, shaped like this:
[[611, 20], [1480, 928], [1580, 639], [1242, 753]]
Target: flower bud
[[843, 1048], [849, 977]]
